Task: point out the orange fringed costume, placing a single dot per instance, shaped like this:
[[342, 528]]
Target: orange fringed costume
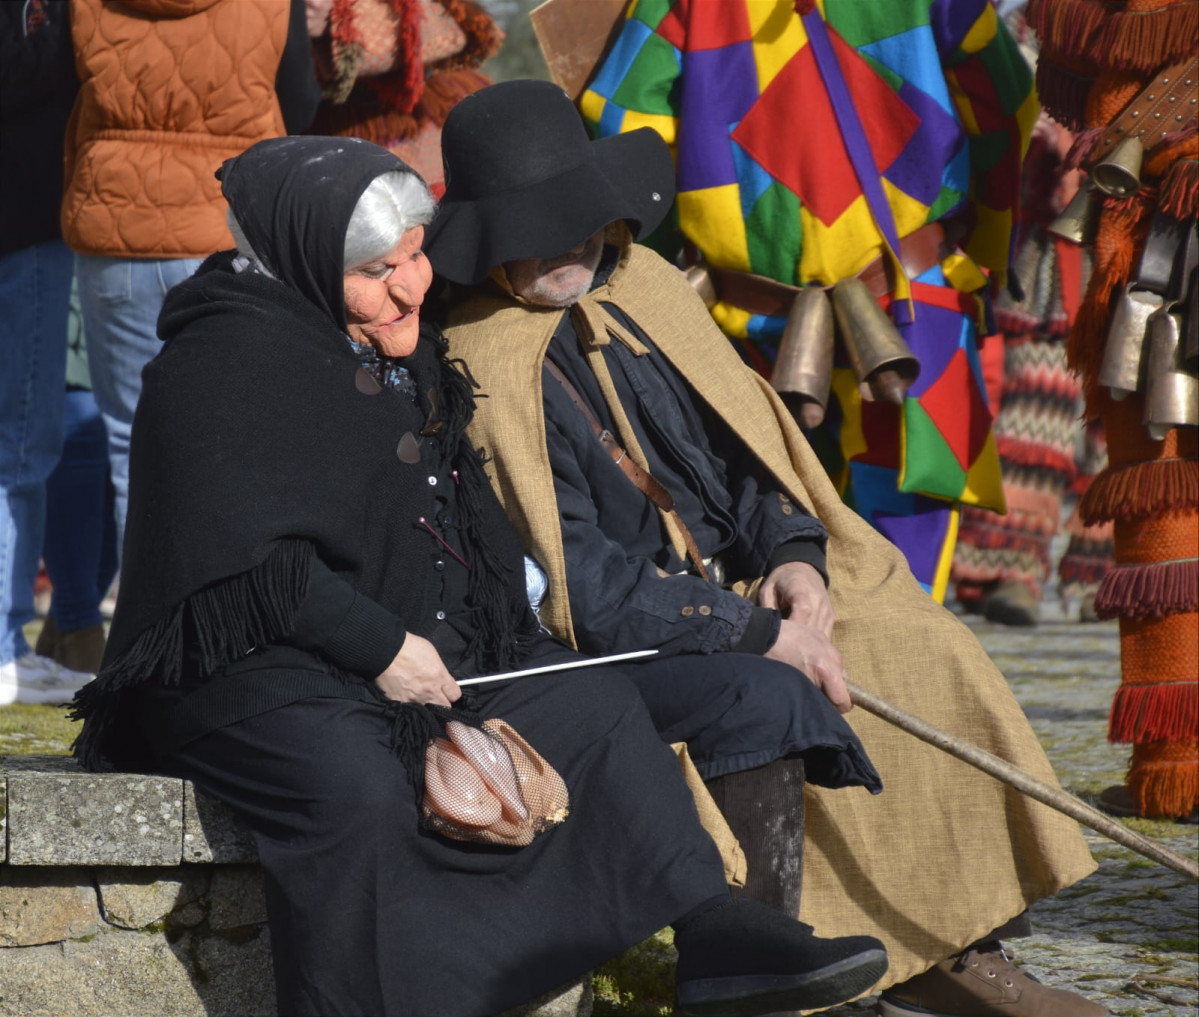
[[391, 70], [1096, 57]]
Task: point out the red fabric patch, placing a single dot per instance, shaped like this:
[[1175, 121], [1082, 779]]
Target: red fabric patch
[[937, 296], [953, 395], [673, 26], [792, 130], [880, 426], [710, 25]]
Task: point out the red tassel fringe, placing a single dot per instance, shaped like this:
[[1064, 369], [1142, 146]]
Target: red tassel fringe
[[1146, 40], [1140, 490], [1154, 713], [1149, 591], [1063, 94], [1180, 190]]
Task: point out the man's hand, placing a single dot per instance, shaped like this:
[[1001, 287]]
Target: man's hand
[[797, 590], [810, 651], [417, 675]]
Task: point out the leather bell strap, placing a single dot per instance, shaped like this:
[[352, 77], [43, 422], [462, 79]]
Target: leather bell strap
[[759, 294], [1167, 104], [641, 479]]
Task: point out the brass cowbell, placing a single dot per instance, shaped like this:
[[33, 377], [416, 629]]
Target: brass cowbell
[[877, 353], [1124, 352], [1171, 392], [701, 281], [1078, 222], [1119, 173], [803, 369]]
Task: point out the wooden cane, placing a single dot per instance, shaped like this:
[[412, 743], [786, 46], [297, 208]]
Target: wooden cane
[[1023, 782]]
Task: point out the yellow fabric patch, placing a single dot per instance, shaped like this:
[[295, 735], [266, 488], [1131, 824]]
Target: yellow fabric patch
[[733, 321], [666, 126], [988, 244], [981, 32], [711, 217], [945, 561], [849, 398], [777, 36], [962, 274], [591, 105], [841, 249], [961, 102], [984, 480]]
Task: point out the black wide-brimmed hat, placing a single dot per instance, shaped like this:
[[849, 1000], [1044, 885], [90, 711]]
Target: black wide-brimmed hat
[[524, 180]]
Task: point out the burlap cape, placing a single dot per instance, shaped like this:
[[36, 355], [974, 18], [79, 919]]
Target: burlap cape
[[946, 854]]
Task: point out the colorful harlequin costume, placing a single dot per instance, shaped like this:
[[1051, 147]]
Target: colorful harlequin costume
[[1098, 58], [768, 185]]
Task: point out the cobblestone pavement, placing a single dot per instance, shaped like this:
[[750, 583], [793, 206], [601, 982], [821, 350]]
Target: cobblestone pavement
[[1128, 935]]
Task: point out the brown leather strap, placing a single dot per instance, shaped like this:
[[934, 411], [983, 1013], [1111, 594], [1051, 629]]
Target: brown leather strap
[[641, 479], [759, 294], [1165, 105]]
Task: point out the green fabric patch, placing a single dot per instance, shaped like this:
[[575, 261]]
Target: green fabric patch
[[648, 85], [1008, 70], [861, 22], [986, 151], [931, 466], [773, 234], [947, 199]]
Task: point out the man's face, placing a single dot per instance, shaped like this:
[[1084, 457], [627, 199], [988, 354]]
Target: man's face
[[557, 281]]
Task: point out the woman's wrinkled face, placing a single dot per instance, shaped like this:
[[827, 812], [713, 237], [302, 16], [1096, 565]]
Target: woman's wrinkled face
[[383, 297]]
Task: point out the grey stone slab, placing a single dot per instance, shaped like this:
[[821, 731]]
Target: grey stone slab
[[63, 818], [210, 833], [39, 764], [44, 905], [137, 898], [236, 897], [3, 818]]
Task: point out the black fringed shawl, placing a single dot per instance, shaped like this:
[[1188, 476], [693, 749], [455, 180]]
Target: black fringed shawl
[[256, 443]]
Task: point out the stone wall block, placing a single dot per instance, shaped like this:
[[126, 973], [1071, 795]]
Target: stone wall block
[[44, 905], [3, 817], [124, 972], [575, 1000], [136, 898], [94, 819], [236, 897], [210, 833]]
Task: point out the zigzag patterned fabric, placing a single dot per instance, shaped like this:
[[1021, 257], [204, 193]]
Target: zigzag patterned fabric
[[766, 185]]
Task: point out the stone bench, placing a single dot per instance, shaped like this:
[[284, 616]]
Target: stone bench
[[135, 894]]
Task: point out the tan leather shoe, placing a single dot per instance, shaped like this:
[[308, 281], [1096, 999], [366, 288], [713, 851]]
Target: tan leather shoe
[[982, 982]]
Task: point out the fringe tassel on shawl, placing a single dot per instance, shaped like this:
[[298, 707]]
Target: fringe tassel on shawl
[[1084, 143], [1149, 590], [1137, 490], [504, 625], [1146, 40], [1154, 713], [1164, 778], [228, 618]]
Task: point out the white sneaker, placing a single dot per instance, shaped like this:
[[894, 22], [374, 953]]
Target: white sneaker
[[39, 680]]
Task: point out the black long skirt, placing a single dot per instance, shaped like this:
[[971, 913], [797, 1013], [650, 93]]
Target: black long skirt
[[369, 915]]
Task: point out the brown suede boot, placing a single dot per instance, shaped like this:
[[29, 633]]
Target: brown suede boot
[[982, 981], [1012, 603], [81, 649]]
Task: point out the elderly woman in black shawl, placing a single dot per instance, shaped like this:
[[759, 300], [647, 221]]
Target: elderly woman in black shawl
[[313, 554]]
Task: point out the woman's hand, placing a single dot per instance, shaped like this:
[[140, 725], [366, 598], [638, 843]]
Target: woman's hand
[[417, 675], [798, 592], [810, 651]]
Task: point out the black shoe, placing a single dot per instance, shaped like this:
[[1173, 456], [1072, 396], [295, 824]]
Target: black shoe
[[743, 958]]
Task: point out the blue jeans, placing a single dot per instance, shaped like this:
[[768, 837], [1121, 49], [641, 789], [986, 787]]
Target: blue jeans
[[80, 550], [35, 287], [120, 299]]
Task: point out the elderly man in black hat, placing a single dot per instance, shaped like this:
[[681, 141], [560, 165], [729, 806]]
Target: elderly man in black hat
[[666, 499]]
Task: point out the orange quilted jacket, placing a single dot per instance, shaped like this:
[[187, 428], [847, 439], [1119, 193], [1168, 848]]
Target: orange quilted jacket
[[169, 89]]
